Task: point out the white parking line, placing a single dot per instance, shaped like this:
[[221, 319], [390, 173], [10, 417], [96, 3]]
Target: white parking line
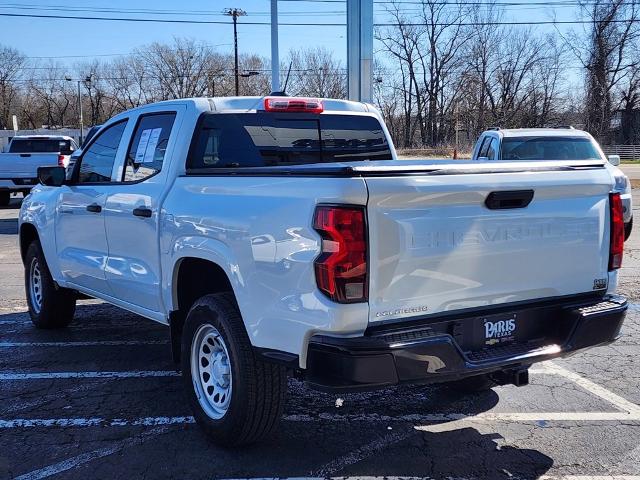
[[56, 375], [594, 388], [83, 458], [97, 343], [94, 422], [443, 422]]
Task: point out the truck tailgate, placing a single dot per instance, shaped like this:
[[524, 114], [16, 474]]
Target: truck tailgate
[[435, 245], [25, 165]]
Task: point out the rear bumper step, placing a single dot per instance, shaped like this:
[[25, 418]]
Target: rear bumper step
[[445, 351]]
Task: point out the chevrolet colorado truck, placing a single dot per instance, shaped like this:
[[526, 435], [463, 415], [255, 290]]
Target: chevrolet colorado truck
[[280, 235], [554, 144], [24, 154]]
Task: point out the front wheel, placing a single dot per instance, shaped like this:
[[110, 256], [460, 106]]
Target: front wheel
[[50, 306], [236, 398]]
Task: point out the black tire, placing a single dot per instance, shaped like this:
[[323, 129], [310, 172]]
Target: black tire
[[628, 227], [258, 389], [57, 305], [5, 198], [476, 384]]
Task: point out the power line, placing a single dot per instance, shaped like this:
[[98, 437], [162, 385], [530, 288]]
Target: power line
[[63, 8], [320, 24], [164, 20]]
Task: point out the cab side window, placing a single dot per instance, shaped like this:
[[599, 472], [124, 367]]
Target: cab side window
[[149, 146], [97, 161], [492, 149], [482, 151]]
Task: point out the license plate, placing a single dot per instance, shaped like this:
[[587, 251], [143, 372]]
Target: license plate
[[500, 329]]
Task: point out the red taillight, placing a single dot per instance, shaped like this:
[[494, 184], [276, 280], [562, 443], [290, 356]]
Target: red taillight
[[341, 268], [616, 246], [293, 104], [61, 160]]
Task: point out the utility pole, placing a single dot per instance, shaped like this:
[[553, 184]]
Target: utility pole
[[235, 13]]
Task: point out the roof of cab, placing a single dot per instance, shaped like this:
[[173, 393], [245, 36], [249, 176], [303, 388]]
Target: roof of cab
[[249, 104], [545, 132]]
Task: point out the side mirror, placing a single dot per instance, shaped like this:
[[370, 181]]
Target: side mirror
[[614, 160], [51, 176], [483, 159]]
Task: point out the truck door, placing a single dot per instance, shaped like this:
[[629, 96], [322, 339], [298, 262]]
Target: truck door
[[132, 212], [80, 234]]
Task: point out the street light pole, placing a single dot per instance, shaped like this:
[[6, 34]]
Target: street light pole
[[235, 13], [80, 113], [81, 116]]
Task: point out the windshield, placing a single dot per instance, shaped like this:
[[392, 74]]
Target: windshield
[[549, 148], [41, 145]]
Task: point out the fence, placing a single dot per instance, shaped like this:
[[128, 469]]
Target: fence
[[626, 152]]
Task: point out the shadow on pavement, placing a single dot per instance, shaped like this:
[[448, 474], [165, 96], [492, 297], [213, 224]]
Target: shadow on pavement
[[371, 434]]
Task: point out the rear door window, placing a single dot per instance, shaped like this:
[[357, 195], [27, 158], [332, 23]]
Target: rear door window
[[259, 140], [149, 146]]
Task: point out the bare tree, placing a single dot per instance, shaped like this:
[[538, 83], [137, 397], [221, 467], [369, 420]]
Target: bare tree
[[11, 64], [315, 72], [605, 50]]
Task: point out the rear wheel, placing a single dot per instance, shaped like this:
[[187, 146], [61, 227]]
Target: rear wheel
[[49, 305], [5, 198], [236, 398], [479, 383]]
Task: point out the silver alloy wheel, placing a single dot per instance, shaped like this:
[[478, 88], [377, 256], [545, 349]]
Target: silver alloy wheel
[[35, 285], [211, 371]]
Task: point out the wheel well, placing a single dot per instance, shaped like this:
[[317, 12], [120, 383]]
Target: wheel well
[[28, 234], [194, 278]]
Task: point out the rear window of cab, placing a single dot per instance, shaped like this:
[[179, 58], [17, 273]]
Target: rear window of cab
[[275, 139], [549, 148]]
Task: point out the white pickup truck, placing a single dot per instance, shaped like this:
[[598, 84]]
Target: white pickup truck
[[281, 235], [22, 157], [562, 143]]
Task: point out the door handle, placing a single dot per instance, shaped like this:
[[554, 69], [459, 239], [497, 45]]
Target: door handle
[[94, 208], [143, 212], [509, 199]]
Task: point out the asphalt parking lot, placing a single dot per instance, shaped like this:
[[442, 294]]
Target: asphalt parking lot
[[101, 399]]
